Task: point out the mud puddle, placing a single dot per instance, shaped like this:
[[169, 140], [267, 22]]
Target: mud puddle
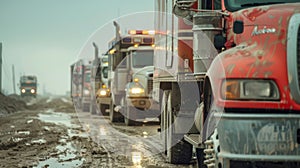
[[57, 118], [67, 156], [67, 153]]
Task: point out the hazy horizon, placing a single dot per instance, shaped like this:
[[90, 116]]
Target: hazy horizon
[[44, 38]]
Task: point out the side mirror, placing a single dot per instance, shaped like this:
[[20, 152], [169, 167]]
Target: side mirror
[[238, 27], [219, 41]]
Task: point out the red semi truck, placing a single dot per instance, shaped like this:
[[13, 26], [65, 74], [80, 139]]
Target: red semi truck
[[242, 59]]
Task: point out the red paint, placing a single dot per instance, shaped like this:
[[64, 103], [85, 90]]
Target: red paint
[[263, 57]]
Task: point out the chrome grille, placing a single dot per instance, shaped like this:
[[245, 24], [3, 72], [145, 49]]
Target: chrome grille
[[150, 85]]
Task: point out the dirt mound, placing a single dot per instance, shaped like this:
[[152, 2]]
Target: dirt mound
[[10, 104], [58, 104]]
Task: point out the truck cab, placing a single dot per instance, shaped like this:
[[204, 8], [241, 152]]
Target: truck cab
[[87, 89], [103, 94], [81, 85], [127, 54], [137, 104], [28, 86], [246, 62]]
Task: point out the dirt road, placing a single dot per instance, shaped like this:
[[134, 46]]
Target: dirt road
[[49, 133]]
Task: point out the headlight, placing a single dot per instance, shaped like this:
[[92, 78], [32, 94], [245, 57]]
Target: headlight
[[137, 90], [86, 92], [23, 90], [32, 91], [238, 89], [103, 92]]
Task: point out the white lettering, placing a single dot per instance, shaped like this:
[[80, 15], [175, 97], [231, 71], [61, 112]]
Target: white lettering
[[265, 30]]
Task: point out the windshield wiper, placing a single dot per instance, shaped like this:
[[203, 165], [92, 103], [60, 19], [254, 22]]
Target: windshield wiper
[[259, 4]]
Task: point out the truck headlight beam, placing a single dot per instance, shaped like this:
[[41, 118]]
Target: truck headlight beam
[[137, 90], [103, 93], [86, 92], [32, 91]]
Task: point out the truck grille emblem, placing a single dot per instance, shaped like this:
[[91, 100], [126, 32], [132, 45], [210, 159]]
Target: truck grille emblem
[[265, 30]]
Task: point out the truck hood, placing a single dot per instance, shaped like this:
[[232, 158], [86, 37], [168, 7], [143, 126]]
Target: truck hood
[[266, 15], [262, 45], [144, 75], [264, 20], [146, 72]]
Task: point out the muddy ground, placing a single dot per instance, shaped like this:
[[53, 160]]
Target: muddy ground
[[47, 132]]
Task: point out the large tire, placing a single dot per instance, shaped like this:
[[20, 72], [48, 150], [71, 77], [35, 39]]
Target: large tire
[[200, 158], [163, 118], [128, 118], [210, 133], [178, 150], [128, 114], [208, 110], [112, 113]]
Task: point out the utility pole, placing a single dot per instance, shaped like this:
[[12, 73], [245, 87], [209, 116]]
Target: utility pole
[[0, 67], [14, 79]]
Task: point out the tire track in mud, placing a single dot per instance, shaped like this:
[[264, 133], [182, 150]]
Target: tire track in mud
[[108, 138], [126, 146]]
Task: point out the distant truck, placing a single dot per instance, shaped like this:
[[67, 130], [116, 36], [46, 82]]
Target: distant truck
[[100, 95], [81, 85], [28, 86]]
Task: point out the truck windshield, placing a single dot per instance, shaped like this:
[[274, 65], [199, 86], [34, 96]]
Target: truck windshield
[[142, 58], [87, 77], [105, 72], [234, 5], [28, 79], [28, 84]]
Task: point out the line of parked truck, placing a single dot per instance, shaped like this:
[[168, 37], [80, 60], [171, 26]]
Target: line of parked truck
[[120, 81], [221, 76]]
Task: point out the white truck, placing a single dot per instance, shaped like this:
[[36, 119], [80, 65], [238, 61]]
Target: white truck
[[103, 95], [137, 104], [128, 55]]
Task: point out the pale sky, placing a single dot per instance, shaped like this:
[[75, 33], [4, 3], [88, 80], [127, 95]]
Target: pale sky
[[44, 37]]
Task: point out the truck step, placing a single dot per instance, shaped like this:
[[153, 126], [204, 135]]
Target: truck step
[[194, 139]]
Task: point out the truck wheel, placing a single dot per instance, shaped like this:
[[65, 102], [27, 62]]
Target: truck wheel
[[200, 158], [178, 150], [128, 113], [163, 118], [112, 113], [128, 118], [208, 110]]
